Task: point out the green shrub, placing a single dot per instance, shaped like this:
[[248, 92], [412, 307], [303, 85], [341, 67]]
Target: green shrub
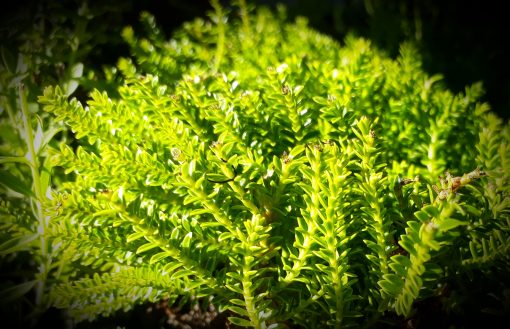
[[38, 47], [261, 166]]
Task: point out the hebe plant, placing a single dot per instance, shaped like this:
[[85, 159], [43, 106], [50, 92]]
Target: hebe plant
[[261, 166]]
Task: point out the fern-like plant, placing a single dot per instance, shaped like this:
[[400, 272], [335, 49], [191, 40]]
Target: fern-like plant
[[280, 175]]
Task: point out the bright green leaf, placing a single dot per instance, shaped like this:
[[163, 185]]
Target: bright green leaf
[[146, 247], [157, 257]]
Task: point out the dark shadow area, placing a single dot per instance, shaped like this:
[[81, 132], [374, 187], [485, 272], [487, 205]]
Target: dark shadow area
[[466, 41]]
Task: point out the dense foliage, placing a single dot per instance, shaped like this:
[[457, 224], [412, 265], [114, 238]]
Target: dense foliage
[[37, 49], [264, 168]]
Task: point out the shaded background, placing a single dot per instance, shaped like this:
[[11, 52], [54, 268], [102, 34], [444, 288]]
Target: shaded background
[[466, 41]]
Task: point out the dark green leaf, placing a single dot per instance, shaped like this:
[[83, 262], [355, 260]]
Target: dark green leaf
[[17, 291], [17, 244], [240, 322], [15, 183]]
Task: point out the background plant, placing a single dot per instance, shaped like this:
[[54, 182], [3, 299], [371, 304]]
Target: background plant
[[261, 164], [37, 49]]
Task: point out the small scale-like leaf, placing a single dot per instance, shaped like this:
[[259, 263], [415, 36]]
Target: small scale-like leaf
[[402, 260], [236, 276], [171, 267], [240, 322], [200, 211], [191, 167], [238, 310], [422, 216], [407, 244], [238, 302], [186, 242], [135, 236], [431, 210], [216, 178], [146, 247], [210, 224], [105, 213], [186, 225], [225, 236], [296, 151], [235, 288], [77, 70], [450, 223], [473, 210], [175, 233], [157, 257], [320, 100], [72, 84], [391, 284], [182, 273]]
